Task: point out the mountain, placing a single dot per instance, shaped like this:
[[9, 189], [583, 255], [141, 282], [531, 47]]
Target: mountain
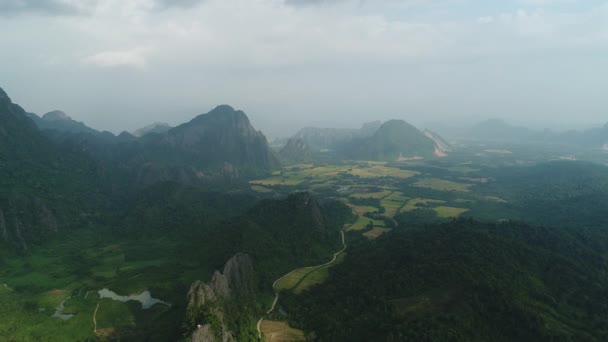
[[592, 138], [331, 138], [462, 281], [43, 189], [221, 143], [558, 193], [394, 140], [296, 151], [157, 127], [212, 148], [272, 238], [61, 122], [212, 306], [442, 147], [499, 130]]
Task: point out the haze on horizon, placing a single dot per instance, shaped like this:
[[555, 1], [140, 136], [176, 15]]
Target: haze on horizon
[[122, 64]]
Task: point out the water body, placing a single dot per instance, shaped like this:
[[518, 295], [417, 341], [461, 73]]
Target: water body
[[145, 298], [60, 308]]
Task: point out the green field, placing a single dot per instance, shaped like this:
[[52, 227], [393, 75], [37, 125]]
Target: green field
[[76, 268], [442, 185], [362, 223], [382, 171], [415, 203], [392, 203], [290, 281], [447, 212], [360, 210], [379, 194], [260, 189], [376, 232], [318, 276]]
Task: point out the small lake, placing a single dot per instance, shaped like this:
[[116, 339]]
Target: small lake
[[145, 298], [58, 311]]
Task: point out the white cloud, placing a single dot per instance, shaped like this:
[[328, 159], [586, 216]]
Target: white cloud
[[131, 58], [310, 60]]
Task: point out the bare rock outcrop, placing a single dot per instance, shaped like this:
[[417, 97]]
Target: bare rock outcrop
[[206, 301]]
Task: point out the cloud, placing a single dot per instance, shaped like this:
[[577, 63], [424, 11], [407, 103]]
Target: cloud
[[274, 56], [126, 58], [48, 7], [165, 4], [541, 3]]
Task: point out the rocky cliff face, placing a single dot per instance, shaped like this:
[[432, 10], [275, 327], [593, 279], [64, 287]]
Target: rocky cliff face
[[219, 145], [296, 151], [331, 138], [208, 302], [25, 219], [42, 187]]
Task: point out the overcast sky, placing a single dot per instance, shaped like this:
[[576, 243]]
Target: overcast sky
[[121, 64]]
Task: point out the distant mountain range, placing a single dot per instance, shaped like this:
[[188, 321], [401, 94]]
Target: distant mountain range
[[60, 121], [389, 141], [500, 131], [157, 127], [47, 158], [329, 138]]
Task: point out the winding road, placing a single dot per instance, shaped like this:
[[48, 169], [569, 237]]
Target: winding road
[[276, 293]]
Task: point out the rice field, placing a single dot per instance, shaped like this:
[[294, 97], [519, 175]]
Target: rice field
[[447, 212], [442, 185], [362, 223], [382, 171], [317, 276], [414, 203], [379, 194], [290, 281], [260, 189], [376, 232], [276, 331]]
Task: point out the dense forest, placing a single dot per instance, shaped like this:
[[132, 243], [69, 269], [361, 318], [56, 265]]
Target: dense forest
[[462, 281]]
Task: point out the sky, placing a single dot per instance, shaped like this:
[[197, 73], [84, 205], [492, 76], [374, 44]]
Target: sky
[[122, 64]]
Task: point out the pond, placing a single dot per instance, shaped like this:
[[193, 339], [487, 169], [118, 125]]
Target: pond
[[145, 298], [58, 311]]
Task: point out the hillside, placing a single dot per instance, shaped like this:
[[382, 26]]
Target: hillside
[[462, 281], [558, 193], [61, 122], [499, 130], [296, 151], [43, 190], [394, 140], [332, 138], [157, 127]]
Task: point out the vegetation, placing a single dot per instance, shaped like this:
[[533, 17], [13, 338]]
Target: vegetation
[[461, 281]]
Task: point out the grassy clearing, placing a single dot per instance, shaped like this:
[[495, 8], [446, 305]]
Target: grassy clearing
[[278, 180], [362, 223], [114, 315], [447, 212], [379, 194], [375, 171], [376, 232], [275, 331], [317, 276], [360, 210], [290, 281], [462, 169], [494, 199], [260, 189], [415, 203], [396, 196], [392, 203], [442, 185], [79, 265]]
